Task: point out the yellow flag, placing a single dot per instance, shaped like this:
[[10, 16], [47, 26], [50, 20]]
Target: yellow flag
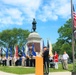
[[50, 50]]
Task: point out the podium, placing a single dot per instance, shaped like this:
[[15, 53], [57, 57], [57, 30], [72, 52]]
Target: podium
[[39, 66]]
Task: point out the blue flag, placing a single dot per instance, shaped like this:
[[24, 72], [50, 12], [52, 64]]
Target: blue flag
[[33, 52], [11, 54], [23, 51], [6, 52]]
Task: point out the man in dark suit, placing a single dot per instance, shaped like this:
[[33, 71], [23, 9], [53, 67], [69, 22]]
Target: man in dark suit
[[46, 60]]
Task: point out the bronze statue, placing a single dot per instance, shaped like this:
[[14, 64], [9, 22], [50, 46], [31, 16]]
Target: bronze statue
[[34, 25]]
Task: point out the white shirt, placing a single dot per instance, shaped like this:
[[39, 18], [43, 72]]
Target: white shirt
[[65, 56]]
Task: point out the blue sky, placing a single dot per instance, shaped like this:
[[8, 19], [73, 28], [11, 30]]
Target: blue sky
[[49, 14]]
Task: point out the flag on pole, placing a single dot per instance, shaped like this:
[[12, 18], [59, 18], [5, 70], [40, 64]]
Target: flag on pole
[[26, 49], [11, 53], [74, 17], [48, 44], [33, 50], [50, 51], [6, 52], [16, 51], [23, 51]]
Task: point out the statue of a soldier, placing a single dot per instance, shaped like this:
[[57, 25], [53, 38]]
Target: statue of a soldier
[[34, 25]]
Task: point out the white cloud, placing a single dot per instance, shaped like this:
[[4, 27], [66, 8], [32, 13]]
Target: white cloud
[[14, 13], [55, 9], [17, 11], [47, 14], [11, 16], [6, 20], [64, 11]]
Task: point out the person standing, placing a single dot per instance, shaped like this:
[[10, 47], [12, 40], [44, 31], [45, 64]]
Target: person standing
[[4, 61], [29, 57], [46, 60], [65, 60], [10, 61], [56, 60]]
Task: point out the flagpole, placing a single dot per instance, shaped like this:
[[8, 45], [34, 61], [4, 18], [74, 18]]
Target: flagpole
[[73, 40]]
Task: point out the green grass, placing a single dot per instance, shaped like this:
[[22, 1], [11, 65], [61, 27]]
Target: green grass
[[17, 70], [60, 69], [24, 70]]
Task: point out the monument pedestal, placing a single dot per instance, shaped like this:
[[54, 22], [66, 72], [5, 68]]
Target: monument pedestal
[[39, 66], [35, 39]]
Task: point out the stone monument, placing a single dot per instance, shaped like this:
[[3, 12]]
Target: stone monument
[[34, 38]]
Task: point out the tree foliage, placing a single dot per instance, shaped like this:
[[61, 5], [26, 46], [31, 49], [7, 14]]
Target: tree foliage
[[64, 42], [10, 37]]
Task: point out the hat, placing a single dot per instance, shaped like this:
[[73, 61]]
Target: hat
[[44, 47]]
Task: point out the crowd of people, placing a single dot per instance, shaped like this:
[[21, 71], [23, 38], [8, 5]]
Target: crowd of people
[[29, 60], [10, 61]]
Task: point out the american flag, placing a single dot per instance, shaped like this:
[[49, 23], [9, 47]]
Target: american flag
[[74, 19]]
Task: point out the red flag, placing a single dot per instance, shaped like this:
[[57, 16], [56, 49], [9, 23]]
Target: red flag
[[74, 19], [16, 51]]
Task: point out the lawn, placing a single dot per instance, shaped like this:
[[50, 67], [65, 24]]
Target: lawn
[[60, 69], [17, 70], [29, 70]]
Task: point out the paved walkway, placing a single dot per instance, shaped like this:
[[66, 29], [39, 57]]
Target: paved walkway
[[52, 73]]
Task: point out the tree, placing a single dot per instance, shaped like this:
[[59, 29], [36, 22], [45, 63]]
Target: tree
[[64, 42], [15, 36], [65, 31]]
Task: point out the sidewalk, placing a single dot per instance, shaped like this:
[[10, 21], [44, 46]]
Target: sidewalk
[[56, 73], [52, 73]]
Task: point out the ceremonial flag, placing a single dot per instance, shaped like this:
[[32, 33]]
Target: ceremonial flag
[[11, 53], [33, 48], [23, 51], [50, 51], [16, 51], [26, 49], [6, 52], [48, 44], [74, 17]]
